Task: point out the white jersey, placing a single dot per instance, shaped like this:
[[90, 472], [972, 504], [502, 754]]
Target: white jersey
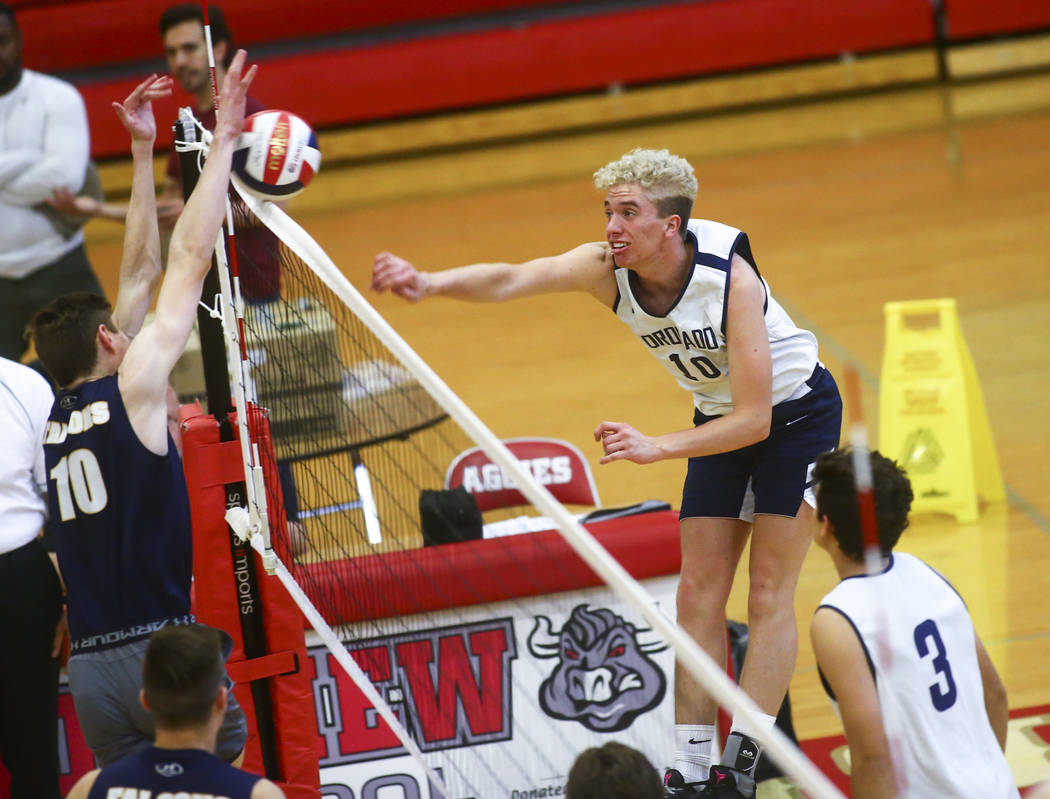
[[922, 647], [690, 339]]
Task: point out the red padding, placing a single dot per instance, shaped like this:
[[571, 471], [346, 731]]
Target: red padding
[[61, 35], [419, 76], [208, 465], [975, 18], [271, 665], [492, 570]]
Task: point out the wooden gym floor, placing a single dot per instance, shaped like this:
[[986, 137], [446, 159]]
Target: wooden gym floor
[[852, 202]]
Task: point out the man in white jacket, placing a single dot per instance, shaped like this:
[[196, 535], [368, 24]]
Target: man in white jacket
[[44, 146]]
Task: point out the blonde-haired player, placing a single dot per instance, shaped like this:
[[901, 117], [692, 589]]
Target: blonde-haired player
[[764, 408]]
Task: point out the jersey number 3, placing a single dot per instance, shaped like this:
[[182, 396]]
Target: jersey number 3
[[79, 479], [942, 694]]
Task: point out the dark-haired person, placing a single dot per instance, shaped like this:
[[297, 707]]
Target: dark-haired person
[[613, 771], [116, 490], [183, 688], [763, 408], [923, 708], [182, 30], [44, 146], [185, 50]]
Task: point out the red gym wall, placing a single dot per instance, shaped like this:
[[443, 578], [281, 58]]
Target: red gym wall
[[502, 59]]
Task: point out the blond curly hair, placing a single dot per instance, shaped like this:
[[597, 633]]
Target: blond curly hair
[[668, 179]]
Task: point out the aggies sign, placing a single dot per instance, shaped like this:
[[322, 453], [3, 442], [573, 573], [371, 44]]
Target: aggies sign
[[449, 686]]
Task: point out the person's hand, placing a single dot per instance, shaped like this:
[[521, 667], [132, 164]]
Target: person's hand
[[621, 442], [229, 113], [394, 274], [136, 112], [58, 642], [62, 199]]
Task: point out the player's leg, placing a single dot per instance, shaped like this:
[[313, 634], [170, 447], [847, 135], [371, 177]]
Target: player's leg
[[711, 549], [778, 548], [801, 430], [716, 505]]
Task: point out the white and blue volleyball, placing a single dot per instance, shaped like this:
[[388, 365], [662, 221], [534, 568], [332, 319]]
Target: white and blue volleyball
[[276, 155]]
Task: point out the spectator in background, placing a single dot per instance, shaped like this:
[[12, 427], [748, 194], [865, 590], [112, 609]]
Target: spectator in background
[[44, 146], [182, 34], [613, 771], [31, 614]]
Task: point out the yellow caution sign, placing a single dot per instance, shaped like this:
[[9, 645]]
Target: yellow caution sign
[[932, 419]]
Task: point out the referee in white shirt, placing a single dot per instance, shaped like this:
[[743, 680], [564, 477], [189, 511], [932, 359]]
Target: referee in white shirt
[[31, 613], [44, 146]]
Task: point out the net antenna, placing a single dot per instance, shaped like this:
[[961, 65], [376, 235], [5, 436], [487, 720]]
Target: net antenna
[[229, 308], [861, 455], [869, 525], [689, 653]]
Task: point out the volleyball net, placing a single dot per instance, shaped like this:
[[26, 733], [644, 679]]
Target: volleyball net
[[437, 667]]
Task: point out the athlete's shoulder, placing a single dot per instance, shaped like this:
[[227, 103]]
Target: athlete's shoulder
[[713, 237], [919, 570]]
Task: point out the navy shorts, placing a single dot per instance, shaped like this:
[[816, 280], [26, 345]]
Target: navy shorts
[[774, 475]]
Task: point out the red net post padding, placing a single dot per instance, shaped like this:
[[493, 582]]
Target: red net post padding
[[210, 464]]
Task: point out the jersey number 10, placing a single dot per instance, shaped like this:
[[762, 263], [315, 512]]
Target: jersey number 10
[[78, 479]]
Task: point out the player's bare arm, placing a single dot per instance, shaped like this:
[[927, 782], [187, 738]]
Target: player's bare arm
[[586, 268], [82, 787], [140, 265], [995, 701], [145, 370], [840, 657], [751, 383], [264, 789]]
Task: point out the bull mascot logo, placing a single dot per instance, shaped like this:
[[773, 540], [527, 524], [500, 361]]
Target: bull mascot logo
[[604, 678]]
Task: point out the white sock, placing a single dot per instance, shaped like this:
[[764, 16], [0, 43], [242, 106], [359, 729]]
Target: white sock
[[692, 754], [743, 729]]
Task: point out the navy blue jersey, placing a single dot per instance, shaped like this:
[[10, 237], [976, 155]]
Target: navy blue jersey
[[173, 772], [122, 520]]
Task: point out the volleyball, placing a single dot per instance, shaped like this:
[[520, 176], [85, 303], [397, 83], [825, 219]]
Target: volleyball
[[276, 155]]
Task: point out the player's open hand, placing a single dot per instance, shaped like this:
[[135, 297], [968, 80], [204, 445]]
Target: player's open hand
[[136, 112], [396, 275], [229, 114], [621, 442]]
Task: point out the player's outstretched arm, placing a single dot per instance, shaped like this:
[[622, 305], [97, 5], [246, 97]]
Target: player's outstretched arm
[[140, 265], [586, 268], [146, 367], [841, 659], [995, 701]]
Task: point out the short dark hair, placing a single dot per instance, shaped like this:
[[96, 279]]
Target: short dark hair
[[837, 500], [182, 673], [64, 334], [613, 771], [7, 11], [185, 12], [670, 206]]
